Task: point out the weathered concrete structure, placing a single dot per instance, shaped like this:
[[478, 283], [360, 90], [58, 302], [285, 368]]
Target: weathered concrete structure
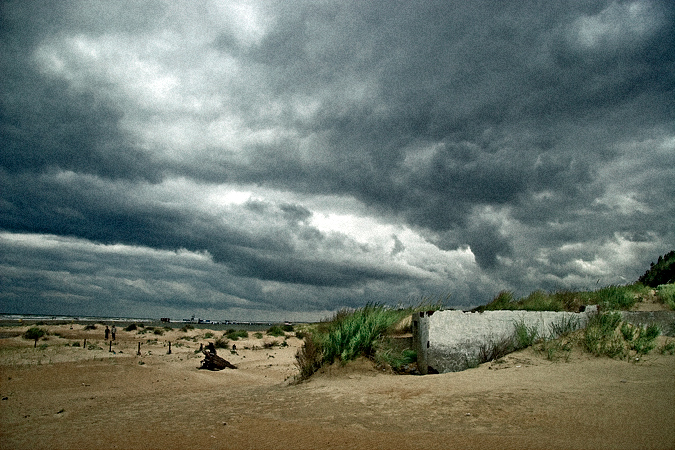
[[664, 319], [450, 341]]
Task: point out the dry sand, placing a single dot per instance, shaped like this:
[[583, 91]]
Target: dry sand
[[64, 397]]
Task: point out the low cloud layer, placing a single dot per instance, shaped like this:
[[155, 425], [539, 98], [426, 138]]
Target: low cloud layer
[[256, 160]]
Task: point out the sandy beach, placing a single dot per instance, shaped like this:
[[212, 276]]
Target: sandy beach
[[60, 396]]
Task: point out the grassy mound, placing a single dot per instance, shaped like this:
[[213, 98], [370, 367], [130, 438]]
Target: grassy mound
[[353, 333]]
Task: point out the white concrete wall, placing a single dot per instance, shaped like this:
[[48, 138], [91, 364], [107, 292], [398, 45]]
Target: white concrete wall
[[450, 341]]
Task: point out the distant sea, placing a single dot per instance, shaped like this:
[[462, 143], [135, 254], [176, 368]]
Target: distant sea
[[31, 319]]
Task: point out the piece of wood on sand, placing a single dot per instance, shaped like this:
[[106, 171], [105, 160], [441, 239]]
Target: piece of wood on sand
[[212, 361]]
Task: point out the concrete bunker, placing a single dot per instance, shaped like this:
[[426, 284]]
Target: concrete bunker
[[450, 341]]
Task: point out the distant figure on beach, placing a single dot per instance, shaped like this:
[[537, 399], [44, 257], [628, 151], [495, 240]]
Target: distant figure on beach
[[114, 330], [107, 332], [234, 347]]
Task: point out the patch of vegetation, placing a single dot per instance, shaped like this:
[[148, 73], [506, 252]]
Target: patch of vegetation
[[667, 347], [34, 333], [644, 340], [208, 335], [388, 356], [348, 335], [609, 297], [91, 326], [186, 328], [663, 272], [275, 331], [617, 297], [564, 326], [525, 336], [234, 335], [555, 349], [258, 335], [601, 338], [495, 349], [536, 301], [158, 331], [221, 343], [287, 328], [666, 294], [353, 333], [309, 359], [131, 327]]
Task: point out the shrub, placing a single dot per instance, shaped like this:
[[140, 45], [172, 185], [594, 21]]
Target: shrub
[[158, 331], [258, 335], [570, 300], [644, 342], [503, 301], [353, 333], [397, 361], [495, 349], [666, 294], [600, 337], [234, 335], [185, 328], [564, 326], [553, 348], [349, 334], [309, 358], [34, 333], [667, 347], [288, 328], [525, 335], [275, 331], [628, 331], [221, 343], [91, 326], [614, 297], [131, 327], [208, 335]]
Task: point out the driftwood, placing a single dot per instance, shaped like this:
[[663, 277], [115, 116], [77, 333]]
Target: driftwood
[[212, 361]]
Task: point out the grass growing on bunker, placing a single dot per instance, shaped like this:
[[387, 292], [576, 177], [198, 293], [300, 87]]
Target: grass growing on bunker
[[613, 297]]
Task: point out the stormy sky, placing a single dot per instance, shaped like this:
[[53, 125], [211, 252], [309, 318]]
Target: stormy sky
[[264, 160]]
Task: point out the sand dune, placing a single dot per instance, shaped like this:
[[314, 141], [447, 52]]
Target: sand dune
[[68, 397]]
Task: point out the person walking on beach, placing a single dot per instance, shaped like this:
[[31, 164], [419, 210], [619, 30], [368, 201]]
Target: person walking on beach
[[114, 330], [107, 332]]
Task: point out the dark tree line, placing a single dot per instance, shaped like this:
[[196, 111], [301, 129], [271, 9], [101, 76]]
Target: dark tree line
[[663, 272]]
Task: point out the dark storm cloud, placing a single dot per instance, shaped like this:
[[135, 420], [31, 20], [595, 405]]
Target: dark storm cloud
[[102, 212], [537, 137], [511, 99]]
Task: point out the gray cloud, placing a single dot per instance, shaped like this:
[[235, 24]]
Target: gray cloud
[[331, 154]]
